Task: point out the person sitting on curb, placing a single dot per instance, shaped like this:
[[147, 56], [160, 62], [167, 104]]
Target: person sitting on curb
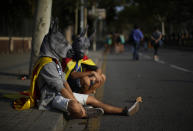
[[81, 72], [49, 89]]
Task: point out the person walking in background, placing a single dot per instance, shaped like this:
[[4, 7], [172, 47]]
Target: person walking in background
[[108, 43], [145, 42], [156, 41], [137, 37], [117, 43], [122, 43]]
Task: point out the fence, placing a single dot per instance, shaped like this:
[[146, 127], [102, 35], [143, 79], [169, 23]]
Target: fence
[[15, 44]]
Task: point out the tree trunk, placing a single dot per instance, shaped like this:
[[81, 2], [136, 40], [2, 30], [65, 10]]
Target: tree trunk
[[41, 27], [82, 16], [76, 20], [163, 28]]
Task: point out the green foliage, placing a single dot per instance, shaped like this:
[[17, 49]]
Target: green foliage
[[13, 13], [150, 13], [146, 13], [64, 10]]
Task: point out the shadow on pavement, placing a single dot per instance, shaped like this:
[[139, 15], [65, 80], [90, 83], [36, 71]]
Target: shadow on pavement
[[9, 74], [9, 92], [12, 74], [13, 87], [178, 81]]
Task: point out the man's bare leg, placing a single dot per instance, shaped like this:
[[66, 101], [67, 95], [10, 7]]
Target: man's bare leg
[[76, 110], [113, 109], [107, 108]]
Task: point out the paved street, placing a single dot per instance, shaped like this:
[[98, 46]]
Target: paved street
[[166, 87], [103, 28]]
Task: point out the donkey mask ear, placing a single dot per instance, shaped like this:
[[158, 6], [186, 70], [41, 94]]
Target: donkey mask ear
[[91, 37], [54, 25], [82, 34]]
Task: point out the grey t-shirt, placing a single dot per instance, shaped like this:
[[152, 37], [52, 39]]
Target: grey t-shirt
[[156, 35], [50, 82]]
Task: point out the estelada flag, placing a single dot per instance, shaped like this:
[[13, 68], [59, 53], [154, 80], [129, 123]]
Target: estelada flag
[[68, 64], [24, 103]]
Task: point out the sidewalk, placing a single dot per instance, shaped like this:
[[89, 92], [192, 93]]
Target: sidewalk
[[11, 68]]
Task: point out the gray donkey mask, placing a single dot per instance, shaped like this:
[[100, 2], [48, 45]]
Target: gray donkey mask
[[54, 44], [80, 45]]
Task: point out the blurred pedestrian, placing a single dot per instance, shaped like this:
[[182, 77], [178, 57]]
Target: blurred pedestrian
[[122, 42], [145, 42], [108, 43], [137, 37], [156, 41], [117, 43]]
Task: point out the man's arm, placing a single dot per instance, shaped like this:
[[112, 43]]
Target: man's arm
[[157, 40], [99, 71], [152, 38], [76, 75], [160, 37], [141, 35], [65, 93], [55, 81]]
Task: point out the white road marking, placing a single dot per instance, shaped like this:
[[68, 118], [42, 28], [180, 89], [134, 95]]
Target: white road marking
[[145, 56], [163, 62], [179, 68], [160, 61]]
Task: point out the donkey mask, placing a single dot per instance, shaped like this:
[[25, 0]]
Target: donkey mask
[[54, 43], [80, 45]]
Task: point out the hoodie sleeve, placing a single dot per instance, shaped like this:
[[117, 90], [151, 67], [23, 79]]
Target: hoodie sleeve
[[52, 78]]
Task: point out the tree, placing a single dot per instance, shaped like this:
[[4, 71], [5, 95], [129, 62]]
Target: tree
[[41, 27]]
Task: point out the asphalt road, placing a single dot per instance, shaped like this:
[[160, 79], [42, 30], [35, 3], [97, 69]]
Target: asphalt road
[[166, 87]]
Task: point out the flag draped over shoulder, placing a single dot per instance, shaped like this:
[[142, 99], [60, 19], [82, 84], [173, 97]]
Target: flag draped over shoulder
[[68, 64], [28, 102]]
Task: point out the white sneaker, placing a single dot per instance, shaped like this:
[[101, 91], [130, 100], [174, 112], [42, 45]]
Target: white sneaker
[[88, 106], [134, 108], [94, 112], [156, 58]]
